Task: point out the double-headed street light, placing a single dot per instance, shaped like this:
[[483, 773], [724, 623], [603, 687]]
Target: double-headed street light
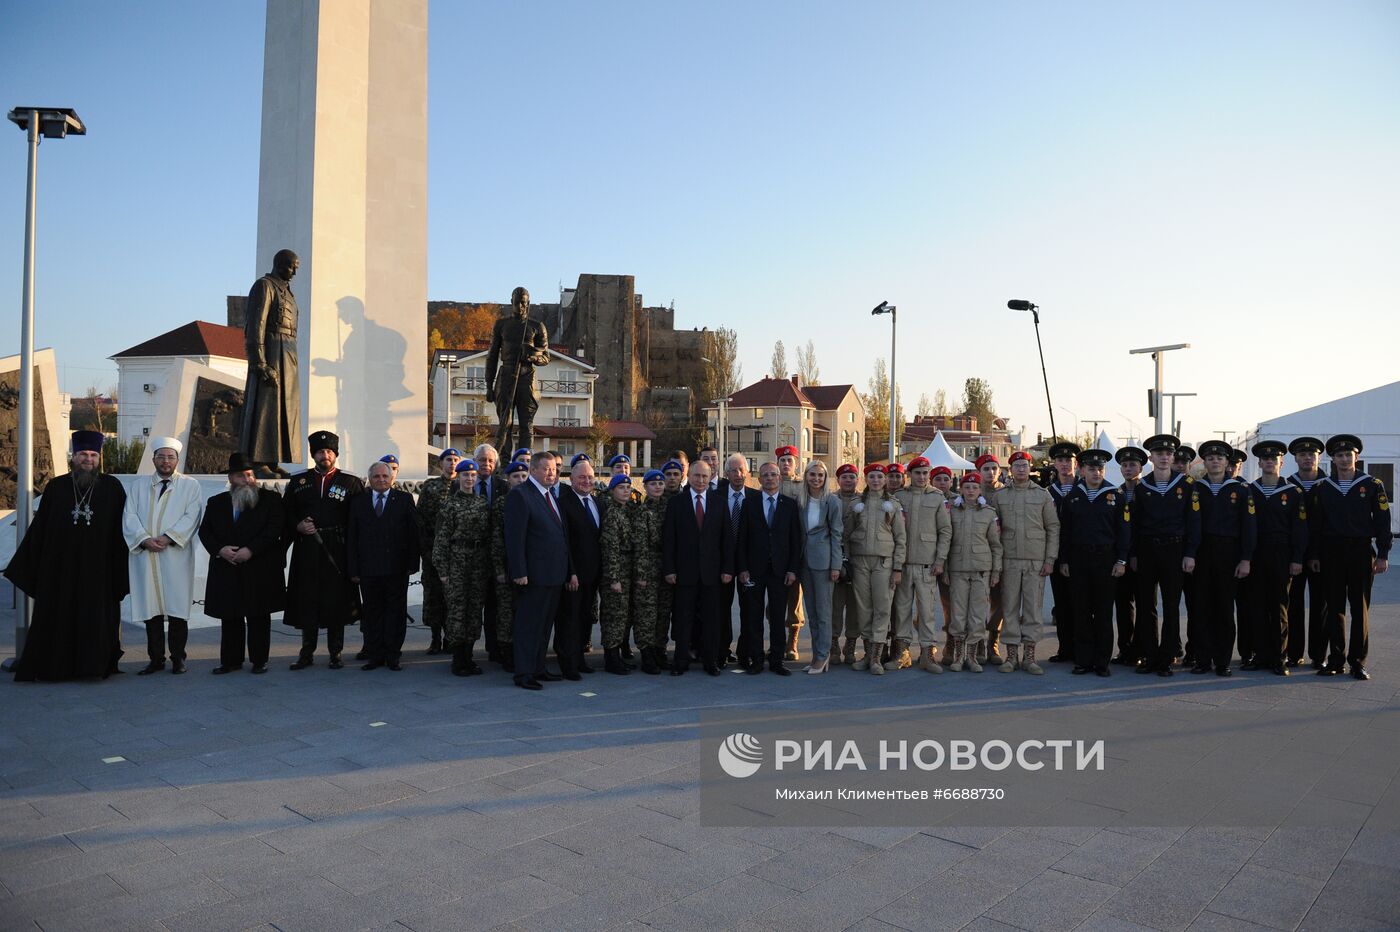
[[50, 123], [885, 307]]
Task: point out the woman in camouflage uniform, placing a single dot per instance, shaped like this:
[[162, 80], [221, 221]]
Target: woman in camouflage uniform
[[459, 550], [430, 498], [615, 587], [516, 473], [651, 596]]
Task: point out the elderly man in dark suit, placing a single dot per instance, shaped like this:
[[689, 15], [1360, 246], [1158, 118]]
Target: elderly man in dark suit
[[242, 531], [537, 561], [697, 555], [578, 604], [382, 551], [768, 559]]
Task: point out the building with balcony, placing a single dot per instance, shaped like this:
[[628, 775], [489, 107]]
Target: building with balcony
[[824, 422], [962, 433], [564, 422]]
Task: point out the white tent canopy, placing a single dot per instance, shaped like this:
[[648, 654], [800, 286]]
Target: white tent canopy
[[1112, 474], [1372, 415], [940, 454]]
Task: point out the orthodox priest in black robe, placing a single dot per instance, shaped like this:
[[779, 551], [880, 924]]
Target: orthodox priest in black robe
[[73, 564]]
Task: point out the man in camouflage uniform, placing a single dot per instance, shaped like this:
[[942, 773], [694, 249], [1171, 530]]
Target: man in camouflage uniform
[[615, 585], [651, 596], [988, 650], [516, 473], [430, 498], [462, 536]]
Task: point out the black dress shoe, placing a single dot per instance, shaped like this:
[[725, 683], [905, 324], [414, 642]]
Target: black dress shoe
[[1079, 671], [545, 676], [1224, 671], [508, 663], [1060, 657], [731, 658], [583, 667], [1144, 667], [1318, 665], [177, 666], [220, 671], [528, 682], [335, 663], [150, 668], [1329, 671], [1250, 665], [1280, 670], [712, 669], [259, 668], [362, 655], [1102, 671], [1296, 663], [780, 669], [1201, 668], [1122, 660], [394, 665], [752, 668], [1358, 672], [1166, 671], [573, 676], [677, 670], [373, 665], [301, 663]]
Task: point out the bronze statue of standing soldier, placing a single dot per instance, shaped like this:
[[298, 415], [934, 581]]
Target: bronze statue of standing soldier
[[518, 345], [271, 430]]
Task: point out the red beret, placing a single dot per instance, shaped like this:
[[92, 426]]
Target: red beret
[[1019, 455], [971, 477], [873, 467], [845, 468], [986, 458], [785, 451], [918, 462], [941, 471], [895, 467]]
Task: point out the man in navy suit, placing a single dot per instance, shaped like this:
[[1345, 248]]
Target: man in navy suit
[[537, 560], [382, 551], [738, 498], [578, 605], [697, 556], [768, 559]]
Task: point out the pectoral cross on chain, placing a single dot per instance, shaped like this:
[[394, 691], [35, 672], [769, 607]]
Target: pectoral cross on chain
[[84, 511]]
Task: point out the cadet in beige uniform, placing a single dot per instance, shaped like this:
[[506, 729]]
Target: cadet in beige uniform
[[928, 534], [941, 478], [1030, 543], [875, 529], [974, 561], [790, 484], [843, 602], [988, 650]]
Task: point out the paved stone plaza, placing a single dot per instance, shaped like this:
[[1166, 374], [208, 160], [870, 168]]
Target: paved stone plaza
[[350, 800]]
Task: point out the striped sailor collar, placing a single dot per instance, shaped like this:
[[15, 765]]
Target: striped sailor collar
[[1356, 480], [1147, 480]]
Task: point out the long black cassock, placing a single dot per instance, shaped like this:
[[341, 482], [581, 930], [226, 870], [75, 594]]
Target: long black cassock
[[74, 566]]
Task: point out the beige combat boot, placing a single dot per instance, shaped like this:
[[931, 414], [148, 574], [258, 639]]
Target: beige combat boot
[[971, 651], [1028, 660], [863, 663], [877, 661], [1009, 666], [793, 633], [928, 662], [900, 656]]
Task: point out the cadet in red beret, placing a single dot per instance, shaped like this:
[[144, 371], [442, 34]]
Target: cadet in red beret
[[876, 552], [988, 649], [843, 601], [929, 533]]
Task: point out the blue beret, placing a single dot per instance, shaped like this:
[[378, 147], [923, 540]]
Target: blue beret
[[673, 464], [467, 465], [517, 467], [580, 457], [654, 475], [618, 480], [525, 450], [389, 458], [620, 458], [450, 451]]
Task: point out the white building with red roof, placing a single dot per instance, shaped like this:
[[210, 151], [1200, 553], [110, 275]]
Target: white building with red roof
[[145, 371]]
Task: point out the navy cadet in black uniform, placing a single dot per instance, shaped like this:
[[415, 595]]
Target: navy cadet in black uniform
[[1228, 532], [1278, 559], [1349, 510], [1307, 629], [1183, 458], [1130, 460], [1094, 542], [1244, 635], [316, 508], [1166, 534], [1062, 456], [1181, 462]]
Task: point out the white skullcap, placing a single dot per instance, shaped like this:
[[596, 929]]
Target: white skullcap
[[166, 443]]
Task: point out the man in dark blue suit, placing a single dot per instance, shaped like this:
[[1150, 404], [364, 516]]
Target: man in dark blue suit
[[697, 557], [537, 561], [768, 559], [381, 546]]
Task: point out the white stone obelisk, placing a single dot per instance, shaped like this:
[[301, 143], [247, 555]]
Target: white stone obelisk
[[344, 183]]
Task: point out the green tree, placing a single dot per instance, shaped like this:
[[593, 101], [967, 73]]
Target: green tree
[[977, 401], [724, 375], [877, 413]]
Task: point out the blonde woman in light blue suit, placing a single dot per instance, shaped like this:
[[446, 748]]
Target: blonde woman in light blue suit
[[821, 560]]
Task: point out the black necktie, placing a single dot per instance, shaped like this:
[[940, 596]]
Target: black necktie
[[379, 503], [164, 487]]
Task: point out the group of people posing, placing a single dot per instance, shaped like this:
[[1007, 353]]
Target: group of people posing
[[511, 552]]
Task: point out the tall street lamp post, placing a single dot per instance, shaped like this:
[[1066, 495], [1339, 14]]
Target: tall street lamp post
[[885, 307]]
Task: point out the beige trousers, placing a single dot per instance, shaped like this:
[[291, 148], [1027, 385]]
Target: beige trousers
[[1022, 594], [969, 606], [873, 596], [918, 587]]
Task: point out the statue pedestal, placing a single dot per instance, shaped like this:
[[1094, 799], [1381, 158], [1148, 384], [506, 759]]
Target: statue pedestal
[[343, 183]]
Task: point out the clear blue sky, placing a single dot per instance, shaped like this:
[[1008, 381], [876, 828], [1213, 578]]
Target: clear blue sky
[[1218, 173]]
